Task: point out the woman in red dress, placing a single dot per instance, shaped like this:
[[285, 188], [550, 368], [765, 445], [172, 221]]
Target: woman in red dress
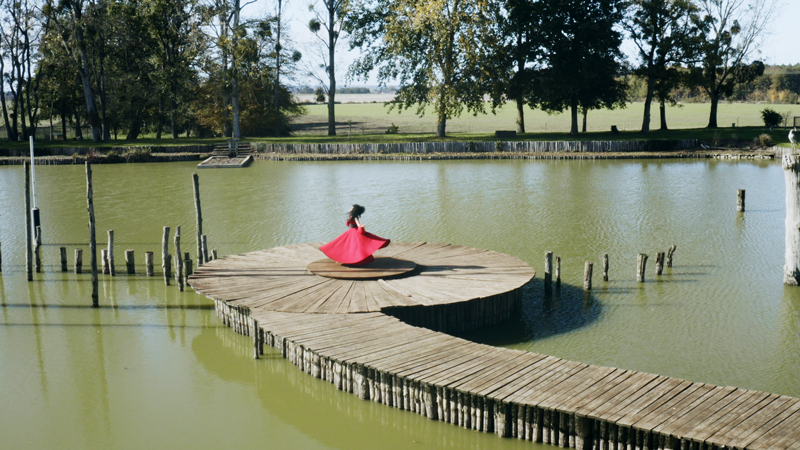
[[355, 246]]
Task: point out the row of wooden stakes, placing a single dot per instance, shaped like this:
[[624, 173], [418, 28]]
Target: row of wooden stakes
[[183, 267], [662, 258]]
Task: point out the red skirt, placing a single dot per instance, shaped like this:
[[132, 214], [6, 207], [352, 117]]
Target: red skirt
[[354, 246]]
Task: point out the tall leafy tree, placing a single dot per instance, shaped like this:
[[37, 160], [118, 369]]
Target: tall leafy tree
[[174, 28], [581, 53], [435, 49], [515, 54], [733, 30], [666, 34], [70, 20]]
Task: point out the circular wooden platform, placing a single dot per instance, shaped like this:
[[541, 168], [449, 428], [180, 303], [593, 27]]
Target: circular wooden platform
[[278, 279], [381, 268]]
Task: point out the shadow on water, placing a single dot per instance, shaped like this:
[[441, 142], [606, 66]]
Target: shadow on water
[[543, 315]]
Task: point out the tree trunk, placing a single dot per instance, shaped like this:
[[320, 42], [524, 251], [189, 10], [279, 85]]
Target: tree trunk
[[663, 110], [574, 112], [520, 114], [63, 127], [648, 101], [441, 125], [331, 71], [235, 71], [78, 130], [277, 93], [791, 268], [88, 91], [12, 135], [712, 117], [160, 119], [173, 117], [585, 113], [518, 97]]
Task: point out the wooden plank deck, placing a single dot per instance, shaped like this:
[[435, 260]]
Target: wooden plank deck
[[342, 331]]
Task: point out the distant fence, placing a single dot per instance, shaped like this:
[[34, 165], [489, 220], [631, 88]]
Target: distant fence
[[51, 134], [480, 147], [68, 151]]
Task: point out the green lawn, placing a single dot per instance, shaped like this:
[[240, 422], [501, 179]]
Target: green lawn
[[373, 118]]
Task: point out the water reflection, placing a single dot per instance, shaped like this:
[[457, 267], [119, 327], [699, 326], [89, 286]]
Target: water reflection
[[323, 413]]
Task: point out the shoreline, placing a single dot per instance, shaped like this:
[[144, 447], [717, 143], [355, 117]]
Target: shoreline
[[276, 156]]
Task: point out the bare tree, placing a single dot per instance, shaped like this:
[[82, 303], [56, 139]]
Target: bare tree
[[327, 26], [19, 40], [733, 31], [228, 29]]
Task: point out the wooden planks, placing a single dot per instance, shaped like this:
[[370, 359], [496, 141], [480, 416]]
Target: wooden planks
[[290, 278]]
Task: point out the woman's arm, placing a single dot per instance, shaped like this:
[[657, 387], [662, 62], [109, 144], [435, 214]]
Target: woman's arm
[[358, 223]]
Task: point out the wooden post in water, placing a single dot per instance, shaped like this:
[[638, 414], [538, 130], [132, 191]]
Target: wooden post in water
[[178, 260], [199, 214], [587, 276], [111, 268], [671, 252], [28, 237], [641, 263], [165, 255], [740, 200], [104, 261], [548, 270], [62, 251], [148, 264], [92, 240], [187, 267], [659, 263], [78, 260], [204, 252], [256, 340], [38, 249], [214, 253], [129, 262], [558, 272], [605, 267], [791, 268]]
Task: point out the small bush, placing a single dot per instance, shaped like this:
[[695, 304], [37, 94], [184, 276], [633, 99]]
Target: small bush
[[661, 145], [499, 146], [113, 157], [764, 140], [771, 117], [393, 129], [137, 155]]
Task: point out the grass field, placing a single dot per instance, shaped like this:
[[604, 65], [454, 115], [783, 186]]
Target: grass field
[[367, 122], [372, 118]]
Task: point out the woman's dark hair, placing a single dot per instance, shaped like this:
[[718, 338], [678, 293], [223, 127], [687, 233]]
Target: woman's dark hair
[[357, 211]]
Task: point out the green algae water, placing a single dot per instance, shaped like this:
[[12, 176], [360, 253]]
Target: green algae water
[[154, 367]]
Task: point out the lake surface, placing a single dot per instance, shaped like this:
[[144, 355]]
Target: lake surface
[[154, 367]]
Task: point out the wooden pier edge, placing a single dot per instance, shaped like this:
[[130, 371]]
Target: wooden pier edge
[[358, 353]]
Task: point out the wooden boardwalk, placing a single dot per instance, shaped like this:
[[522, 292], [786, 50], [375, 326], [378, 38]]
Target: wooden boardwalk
[[357, 341]]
